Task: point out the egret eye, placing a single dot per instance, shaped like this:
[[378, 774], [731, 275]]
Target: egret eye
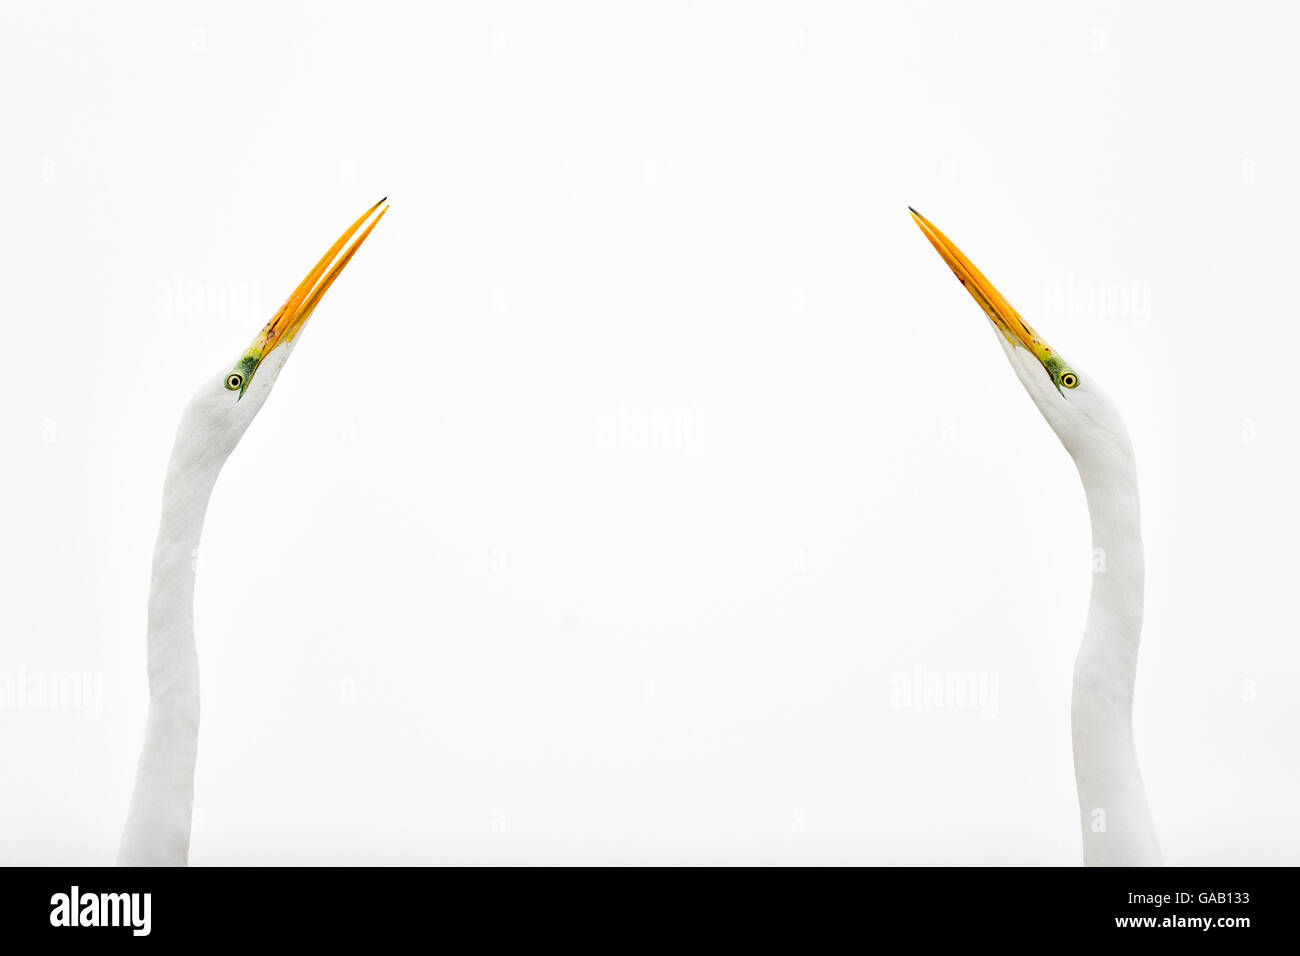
[[234, 381], [1069, 380]]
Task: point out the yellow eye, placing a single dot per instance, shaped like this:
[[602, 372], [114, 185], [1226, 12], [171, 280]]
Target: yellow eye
[[1069, 380], [234, 381]]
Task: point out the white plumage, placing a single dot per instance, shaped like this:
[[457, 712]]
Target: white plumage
[[1113, 811], [157, 831]]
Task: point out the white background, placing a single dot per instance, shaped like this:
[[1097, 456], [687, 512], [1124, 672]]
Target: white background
[[648, 449]]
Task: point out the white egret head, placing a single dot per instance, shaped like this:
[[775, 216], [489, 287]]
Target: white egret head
[[224, 406], [1084, 419]]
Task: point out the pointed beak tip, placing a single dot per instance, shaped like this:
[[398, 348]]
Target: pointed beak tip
[[1006, 319], [302, 302]]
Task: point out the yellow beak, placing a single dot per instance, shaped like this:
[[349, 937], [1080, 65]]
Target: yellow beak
[[1006, 319], [297, 309]]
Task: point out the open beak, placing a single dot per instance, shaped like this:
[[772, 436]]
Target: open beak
[[293, 315], [298, 308], [1006, 319]]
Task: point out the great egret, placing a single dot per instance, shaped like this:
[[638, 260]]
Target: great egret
[[158, 822], [1113, 811]]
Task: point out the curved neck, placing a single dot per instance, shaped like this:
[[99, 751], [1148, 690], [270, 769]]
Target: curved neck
[[1116, 821], [158, 823]]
